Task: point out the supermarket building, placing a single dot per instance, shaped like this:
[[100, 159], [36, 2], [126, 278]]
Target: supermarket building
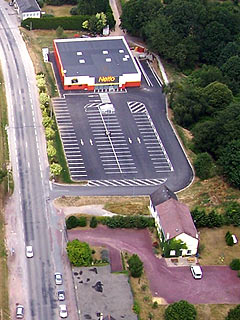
[[96, 63]]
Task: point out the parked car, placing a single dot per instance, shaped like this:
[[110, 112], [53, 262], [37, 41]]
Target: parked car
[[58, 278], [29, 251], [196, 272], [63, 311], [19, 311], [61, 295]]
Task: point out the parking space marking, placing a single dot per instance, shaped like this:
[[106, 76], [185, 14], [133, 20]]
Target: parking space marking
[[69, 139], [126, 182], [150, 137], [109, 138]]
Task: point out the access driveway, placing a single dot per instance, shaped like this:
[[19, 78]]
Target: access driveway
[[219, 283]]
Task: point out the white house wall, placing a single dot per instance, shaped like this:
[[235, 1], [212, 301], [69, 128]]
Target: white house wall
[[35, 14], [192, 243]]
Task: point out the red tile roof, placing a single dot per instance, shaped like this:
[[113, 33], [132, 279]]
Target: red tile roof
[[175, 218]]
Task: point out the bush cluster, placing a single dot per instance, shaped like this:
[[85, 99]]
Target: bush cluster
[[135, 266], [73, 222], [235, 264], [229, 239], [49, 125], [138, 222], [214, 219]]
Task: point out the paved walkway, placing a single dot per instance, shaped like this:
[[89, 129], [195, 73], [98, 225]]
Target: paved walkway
[[218, 285]]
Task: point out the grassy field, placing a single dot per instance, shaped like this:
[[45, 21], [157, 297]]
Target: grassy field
[[4, 307], [58, 11]]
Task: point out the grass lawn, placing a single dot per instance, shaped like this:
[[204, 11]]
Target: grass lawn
[[215, 247], [58, 11], [4, 307]]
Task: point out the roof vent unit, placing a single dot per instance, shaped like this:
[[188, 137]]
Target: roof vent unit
[[108, 59], [105, 52], [81, 61], [121, 51], [79, 53], [127, 56], [125, 59]]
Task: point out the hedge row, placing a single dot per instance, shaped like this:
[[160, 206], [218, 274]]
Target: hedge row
[[213, 219], [67, 23], [137, 222]]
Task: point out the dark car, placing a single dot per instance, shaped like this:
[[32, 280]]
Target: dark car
[[61, 295]]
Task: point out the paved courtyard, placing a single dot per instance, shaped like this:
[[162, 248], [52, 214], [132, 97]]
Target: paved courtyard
[[100, 291], [219, 284]]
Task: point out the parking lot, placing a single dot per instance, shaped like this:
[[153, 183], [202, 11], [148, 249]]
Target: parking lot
[[99, 291], [120, 138]]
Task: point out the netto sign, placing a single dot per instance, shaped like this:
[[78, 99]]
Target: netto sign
[[108, 79]]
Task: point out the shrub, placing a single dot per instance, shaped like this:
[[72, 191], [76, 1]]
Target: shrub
[[138, 222], [155, 305], [136, 308], [93, 222], [72, 222], [235, 264], [229, 238], [74, 11], [234, 314], [135, 266], [82, 221], [232, 214], [79, 253], [180, 310], [203, 165], [144, 287]]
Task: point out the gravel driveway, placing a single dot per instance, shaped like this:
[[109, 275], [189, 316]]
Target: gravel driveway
[[219, 283]]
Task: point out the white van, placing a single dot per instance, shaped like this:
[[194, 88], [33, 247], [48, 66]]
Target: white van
[[196, 272]]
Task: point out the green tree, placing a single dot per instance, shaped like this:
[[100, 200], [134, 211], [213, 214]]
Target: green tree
[[50, 133], [231, 72], [136, 13], [44, 98], [181, 310], [218, 96], [235, 264], [79, 253], [51, 151], [135, 266], [203, 165], [173, 244], [230, 162], [234, 314], [72, 222], [55, 169], [93, 222], [205, 75]]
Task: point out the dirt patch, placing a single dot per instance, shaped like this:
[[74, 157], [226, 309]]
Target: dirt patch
[[91, 210], [118, 205], [216, 251]]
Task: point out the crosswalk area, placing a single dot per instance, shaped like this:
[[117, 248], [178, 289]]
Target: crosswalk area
[[126, 183], [111, 143], [150, 137], [71, 147]]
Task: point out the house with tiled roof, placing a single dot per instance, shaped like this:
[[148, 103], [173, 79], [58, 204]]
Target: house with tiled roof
[[173, 220], [27, 9]]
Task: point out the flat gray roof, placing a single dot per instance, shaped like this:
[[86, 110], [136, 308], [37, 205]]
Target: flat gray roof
[[95, 57]]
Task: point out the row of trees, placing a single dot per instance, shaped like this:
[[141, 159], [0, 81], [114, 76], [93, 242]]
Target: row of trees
[[213, 219], [49, 125]]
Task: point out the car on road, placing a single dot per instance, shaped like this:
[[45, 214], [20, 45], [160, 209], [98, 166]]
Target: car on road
[[29, 251], [196, 272], [61, 295], [58, 278], [63, 311], [19, 311]]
